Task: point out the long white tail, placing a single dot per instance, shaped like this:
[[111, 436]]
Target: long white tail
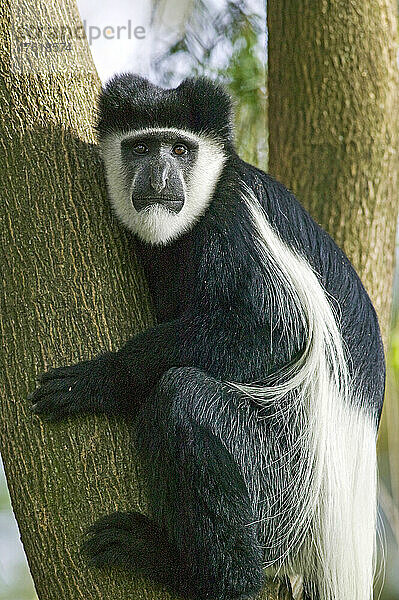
[[334, 518]]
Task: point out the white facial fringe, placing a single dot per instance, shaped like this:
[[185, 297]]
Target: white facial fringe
[[156, 224], [332, 515]]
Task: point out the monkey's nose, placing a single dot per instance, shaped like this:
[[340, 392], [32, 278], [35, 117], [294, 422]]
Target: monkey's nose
[[159, 177]]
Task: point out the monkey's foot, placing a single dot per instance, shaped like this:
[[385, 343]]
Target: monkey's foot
[[130, 540], [134, 541]]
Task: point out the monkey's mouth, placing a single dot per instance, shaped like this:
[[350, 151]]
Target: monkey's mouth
[[171, 204]]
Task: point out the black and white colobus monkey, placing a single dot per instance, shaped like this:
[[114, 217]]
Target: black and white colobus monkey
[[256, 399]]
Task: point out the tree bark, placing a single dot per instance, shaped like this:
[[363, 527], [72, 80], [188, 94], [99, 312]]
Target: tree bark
[[71, 288], [333, 125]]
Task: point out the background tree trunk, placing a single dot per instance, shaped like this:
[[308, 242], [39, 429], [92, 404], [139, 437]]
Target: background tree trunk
[[333, 125], [71, 288]]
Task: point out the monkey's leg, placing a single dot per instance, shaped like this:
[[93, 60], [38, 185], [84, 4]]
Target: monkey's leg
[[196, 492]]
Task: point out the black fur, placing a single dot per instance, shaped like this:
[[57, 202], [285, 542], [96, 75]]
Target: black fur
[[197, 105], [217, 322]]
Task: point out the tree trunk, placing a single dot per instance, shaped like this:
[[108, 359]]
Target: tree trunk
[[333, 125], [71, 289]]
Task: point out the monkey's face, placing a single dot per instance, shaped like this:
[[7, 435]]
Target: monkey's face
[[158, 167], [161, 179]]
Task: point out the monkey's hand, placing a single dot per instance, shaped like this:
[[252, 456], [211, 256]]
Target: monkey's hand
[[114, 383], [80, 388]]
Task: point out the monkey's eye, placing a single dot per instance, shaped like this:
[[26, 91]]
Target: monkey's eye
[[180, 149], [140, 148]]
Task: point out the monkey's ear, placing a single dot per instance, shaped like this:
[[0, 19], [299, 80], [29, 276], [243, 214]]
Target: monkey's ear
[[117, 97], [212, 107]]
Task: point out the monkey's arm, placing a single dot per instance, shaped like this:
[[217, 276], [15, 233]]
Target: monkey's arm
[[115, 382]]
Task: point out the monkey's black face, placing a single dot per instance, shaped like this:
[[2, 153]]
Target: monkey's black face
[[161, 179], [158, 167]]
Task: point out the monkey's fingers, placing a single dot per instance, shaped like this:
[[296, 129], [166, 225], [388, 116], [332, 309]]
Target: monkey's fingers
[[50, 410], [59, 373], [54, 400]]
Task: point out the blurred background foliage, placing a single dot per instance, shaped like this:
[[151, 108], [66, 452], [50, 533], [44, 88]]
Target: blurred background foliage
[[224, 40]]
